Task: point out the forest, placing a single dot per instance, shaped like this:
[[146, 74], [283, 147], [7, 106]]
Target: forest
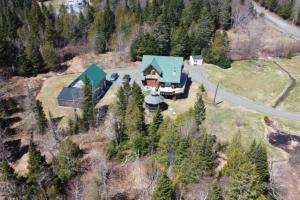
[[181, 151], [31, 34]]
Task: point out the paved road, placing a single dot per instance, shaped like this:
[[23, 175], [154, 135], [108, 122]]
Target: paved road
[[196, 74], [279, 23]]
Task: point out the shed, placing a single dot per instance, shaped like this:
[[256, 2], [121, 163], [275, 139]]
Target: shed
[[196, 60], [69, 97]]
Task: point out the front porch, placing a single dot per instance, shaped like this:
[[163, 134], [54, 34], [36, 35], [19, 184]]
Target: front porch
[[167, 89]]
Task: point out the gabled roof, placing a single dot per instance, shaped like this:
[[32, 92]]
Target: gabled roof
[[197, 57], [94, 73], [69, 94], [169, 66]]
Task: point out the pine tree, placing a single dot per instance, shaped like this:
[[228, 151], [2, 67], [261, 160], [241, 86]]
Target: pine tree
[[40, 116], [50, 56], [225, 14], [244, 183], [33, 54], [138, 95], [164, 189], [153, 128], [202, 31], [36, 164], [66, 163], [199, 111], [258, 156], [180, 42], [218, 52], [133, 118], [215, 193], [87, 105], [162, 33], [7, 172], [236, 156]]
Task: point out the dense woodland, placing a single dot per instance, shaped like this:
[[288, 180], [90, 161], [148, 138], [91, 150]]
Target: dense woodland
[[31, 33], [182, 151]]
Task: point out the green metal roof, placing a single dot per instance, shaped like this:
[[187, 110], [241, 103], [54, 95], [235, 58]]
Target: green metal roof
[[169, 67], [94, 73]]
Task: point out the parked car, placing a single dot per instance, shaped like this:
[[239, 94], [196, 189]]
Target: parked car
[[126, 78], [114, 77]]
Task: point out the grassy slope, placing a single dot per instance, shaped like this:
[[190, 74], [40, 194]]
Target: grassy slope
[[260, 81], [292, 102], [50, 91]]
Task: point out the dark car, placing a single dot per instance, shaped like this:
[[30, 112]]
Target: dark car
[[114, 77], [126, 78]]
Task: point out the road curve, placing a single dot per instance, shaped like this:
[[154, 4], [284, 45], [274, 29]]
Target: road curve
[[279, 23], [196, 73]]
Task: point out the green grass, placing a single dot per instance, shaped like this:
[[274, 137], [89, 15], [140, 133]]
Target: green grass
[[260, 81], [292, 102], [50, 90]]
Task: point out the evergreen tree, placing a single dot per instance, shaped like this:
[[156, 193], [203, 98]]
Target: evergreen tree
[[153, 128], [164, 189], [33, 54], [215, 193], [225, 14], [36, 164], [50, 56], [199, 111], [145, 44], [236, 155], [258, 156], [202, 31], [218, 52], [40, 116], [163, 36], [138, 95], [180, 42], [66, 163], [133, 118], [87, 105], [244, 183]]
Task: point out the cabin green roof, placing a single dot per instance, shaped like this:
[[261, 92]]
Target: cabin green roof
[[94, 73], [169, 67]]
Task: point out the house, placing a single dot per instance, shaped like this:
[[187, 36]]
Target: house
[[164, 74], [196, 60], [70, 96]]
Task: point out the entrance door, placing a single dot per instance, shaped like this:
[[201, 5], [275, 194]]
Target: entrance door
[[151, 82]]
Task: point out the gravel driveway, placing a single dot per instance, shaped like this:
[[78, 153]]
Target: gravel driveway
[[196, 74]]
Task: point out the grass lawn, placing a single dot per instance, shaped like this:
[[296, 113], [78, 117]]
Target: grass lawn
[[292, 102], [260, 81], [50, 90], [224, 120]]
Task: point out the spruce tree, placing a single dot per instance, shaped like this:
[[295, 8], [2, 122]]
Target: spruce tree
[[40, 116], [162, 33], [36, 164], [258, 156], [244, 183], [164, 189], [87, 105], [180, 42], [66, 162], [138, 95], [199, 111], [202, 31], [134, 119], [153, 128], [215, 191]]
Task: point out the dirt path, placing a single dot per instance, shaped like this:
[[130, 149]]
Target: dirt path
[[285, 93]]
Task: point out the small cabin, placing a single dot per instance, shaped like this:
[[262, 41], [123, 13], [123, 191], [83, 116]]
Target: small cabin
[[196, 60], [70, 95]]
